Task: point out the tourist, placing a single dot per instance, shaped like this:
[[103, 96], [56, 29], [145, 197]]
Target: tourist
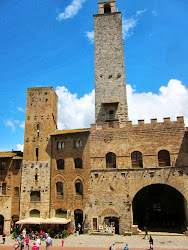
[[41, 234], [146, 232], [24, 233], [113, 247], [37, 242], [126, 247], [16, 245], [48, 242], [27, 243], [22, 243], [18, 239], [151, 242], [3, 236]]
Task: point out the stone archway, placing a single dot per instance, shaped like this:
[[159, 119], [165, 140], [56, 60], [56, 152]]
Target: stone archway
[[78, 218], [159, 207]]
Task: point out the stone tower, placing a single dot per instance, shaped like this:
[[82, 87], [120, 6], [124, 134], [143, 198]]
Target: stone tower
[[110, 81], [40, 122]]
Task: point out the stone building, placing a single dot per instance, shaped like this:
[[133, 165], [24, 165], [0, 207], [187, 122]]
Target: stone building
[[112, 175]]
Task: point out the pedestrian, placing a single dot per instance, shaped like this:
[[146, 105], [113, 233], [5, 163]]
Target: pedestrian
[[27, 243], [113, 247], [151, 242], [16, 245], [146, 232], [3, 236], [126, 247], [48, 242], [22, 243], [37, 242]]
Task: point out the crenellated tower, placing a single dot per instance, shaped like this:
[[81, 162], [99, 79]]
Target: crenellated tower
[[110, 81]]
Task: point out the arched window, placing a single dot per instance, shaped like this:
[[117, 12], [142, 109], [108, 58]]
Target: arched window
[[59, 188], [110, 160], [107, 8], [35, 213], [78, 163], [79, 188], [164, 158], [60, 145], [16, 191], [35, 196], [60, 164], [78, 143], [61, 213], [136, 158]]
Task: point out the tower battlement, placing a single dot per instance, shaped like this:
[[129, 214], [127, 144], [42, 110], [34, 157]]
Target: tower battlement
[[154, 124]]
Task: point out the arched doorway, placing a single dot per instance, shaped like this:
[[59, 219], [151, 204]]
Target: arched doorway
[[160, 208], [78, 218], [112, 221], [1, 224]]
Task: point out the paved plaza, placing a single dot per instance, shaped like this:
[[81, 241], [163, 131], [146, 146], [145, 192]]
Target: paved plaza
[[103, 242]]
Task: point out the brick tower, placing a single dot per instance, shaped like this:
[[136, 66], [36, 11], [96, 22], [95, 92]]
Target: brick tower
[[40, 122], [110, 81]]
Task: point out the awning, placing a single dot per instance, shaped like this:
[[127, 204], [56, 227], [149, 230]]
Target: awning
[[39, 221], [56, 220], [30, 220]]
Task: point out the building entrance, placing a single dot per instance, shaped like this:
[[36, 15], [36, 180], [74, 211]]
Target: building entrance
[[160, 207], [112, 222], [78, 217], [1, 224]]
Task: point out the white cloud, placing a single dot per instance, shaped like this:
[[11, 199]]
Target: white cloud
[[71, 10], [171, 101], [154, 12], [19, 147], [22, 125], [128, 24], [90, 36], [20, 109], [74, 112], [10, 124], [16, 121]]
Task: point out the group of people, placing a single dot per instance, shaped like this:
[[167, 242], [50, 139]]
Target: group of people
[[149, 238], [22, 242]]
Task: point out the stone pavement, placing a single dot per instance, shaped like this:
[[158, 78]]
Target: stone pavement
[[92, 242]]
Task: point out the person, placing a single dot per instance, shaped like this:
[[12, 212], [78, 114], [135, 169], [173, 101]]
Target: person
[[24, 233], [48, 242], [3, 236], [126, 247], [151, 242], [41, 234], [18, 239], [146, 232], [22, 243], [27, 242], [16, 245], [113, 247], [37, 243]]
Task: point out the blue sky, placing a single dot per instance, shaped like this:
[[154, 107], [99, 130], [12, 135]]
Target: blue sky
[[49, 43]]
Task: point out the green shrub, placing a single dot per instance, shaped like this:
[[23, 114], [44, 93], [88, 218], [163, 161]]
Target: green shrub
[[14, 235], [65, 233]]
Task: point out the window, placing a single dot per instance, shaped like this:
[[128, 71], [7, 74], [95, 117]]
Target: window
[[35, 213], [59, 188], [37, 154], [60, 145], [35, 196], [107, 8], [36, 177], [2, 165], [16, 191], [61, 213], [38, 128], [136, 158], [78, 144], [110, 160], [164, 158], [4, 189], [111, 114], [78, 163], [79, 188], [60, 164]]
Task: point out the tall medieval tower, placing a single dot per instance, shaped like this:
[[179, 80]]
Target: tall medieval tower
[[110, 81], [40, 122]]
